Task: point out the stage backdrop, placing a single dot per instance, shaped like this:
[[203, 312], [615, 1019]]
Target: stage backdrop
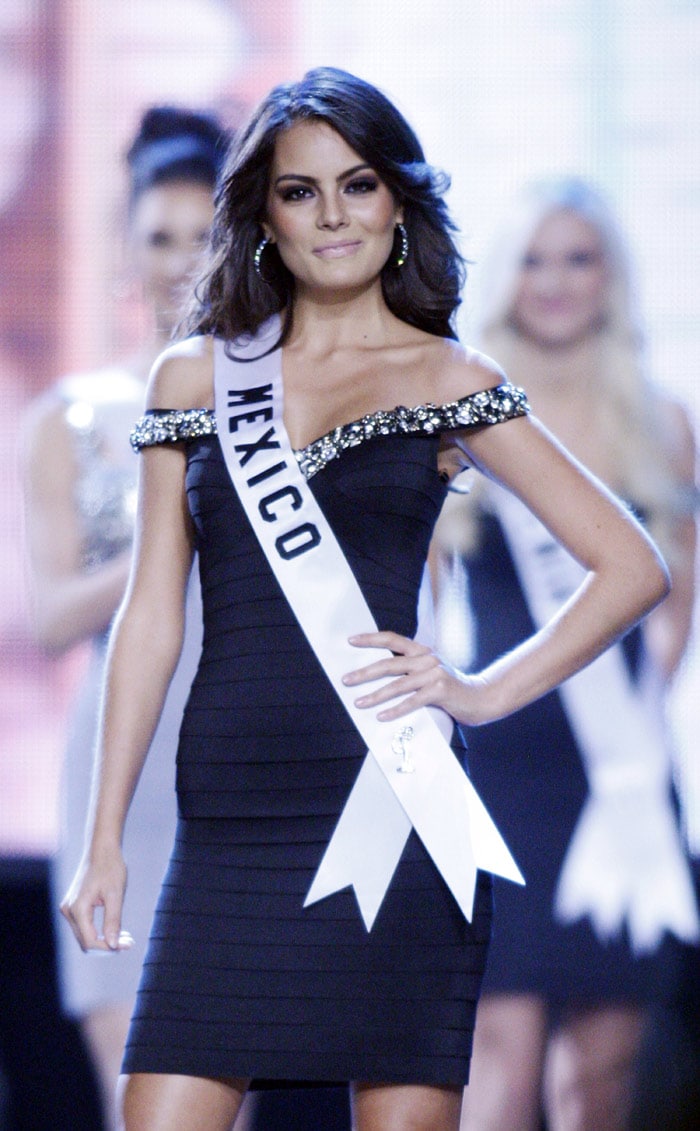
[[499, 91]]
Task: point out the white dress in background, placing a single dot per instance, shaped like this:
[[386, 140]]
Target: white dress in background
[[100, 409]]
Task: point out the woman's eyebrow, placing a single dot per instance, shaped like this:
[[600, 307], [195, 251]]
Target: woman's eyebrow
[[312, 180]]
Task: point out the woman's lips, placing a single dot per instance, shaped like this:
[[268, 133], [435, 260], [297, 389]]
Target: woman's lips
[[337, 250]]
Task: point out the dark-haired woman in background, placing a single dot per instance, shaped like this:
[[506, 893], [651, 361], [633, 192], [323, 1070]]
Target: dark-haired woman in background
[[333, 284], [81, 502]]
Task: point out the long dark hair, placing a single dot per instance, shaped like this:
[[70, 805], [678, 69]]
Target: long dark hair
[[232, 299]]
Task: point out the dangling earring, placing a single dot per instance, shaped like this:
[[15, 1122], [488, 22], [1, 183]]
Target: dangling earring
[[403, 253], [258, 254]]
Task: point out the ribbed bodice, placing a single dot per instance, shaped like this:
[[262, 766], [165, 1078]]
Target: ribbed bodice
[[382, 500]]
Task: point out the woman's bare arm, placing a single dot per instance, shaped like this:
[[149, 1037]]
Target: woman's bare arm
[[70, 604], [143, 652], [625, 578], [667, 630]]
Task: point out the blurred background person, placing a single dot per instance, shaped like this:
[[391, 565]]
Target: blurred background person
[[46, 1077], [80, 509], [580, 952]]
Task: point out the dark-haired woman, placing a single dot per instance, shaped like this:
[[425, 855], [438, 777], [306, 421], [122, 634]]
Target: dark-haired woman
[[333, 283], [81, 492]]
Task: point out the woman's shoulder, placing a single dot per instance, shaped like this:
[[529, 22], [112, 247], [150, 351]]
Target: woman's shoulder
[[183, 376], [44, 429], [675, 427], [673, 410], [49, 416], [108, 385], [458, 371], [95, 387]]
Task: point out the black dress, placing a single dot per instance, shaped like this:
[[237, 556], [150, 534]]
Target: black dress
[[529, 772], [239, 979]]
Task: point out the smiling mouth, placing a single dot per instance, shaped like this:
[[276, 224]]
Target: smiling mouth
[[337, 250]]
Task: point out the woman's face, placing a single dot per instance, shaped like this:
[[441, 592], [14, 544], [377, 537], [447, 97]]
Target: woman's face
[[561, 294], [329, 213], [169, 227]]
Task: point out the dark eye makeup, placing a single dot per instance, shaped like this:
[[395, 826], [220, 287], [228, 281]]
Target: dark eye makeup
[[362, 184], [295, 192], [355, 186]]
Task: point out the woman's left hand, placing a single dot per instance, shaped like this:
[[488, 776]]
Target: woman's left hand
[[418, 677]]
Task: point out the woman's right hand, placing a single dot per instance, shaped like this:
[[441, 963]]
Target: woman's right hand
[[99, 883]]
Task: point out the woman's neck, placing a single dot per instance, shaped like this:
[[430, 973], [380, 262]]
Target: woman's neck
[[555, 375], [564, 389], [358, 321]]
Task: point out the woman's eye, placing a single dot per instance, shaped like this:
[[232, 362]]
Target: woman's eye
[[530, 261], [583, 258], [159, 239], [363, 184], [296, 192]]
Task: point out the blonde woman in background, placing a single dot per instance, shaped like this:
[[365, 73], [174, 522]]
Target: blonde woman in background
[[580, 781], [81, 500]]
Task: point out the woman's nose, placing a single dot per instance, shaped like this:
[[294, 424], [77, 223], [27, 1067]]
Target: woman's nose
[[182, 262], [331, 213], [550, 279]]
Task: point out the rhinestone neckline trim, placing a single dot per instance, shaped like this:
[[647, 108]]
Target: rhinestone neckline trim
[[490, 406]]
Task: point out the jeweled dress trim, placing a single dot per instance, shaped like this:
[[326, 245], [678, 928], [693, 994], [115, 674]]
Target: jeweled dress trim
[[489, 406]]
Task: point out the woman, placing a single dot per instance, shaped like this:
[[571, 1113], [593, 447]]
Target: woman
[[591, 821], [334, 280], [81, 497]]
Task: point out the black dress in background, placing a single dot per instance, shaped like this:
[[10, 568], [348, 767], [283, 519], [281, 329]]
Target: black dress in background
[[528, 770]]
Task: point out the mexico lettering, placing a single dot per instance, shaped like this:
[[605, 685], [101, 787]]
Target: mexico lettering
[[284, 501]]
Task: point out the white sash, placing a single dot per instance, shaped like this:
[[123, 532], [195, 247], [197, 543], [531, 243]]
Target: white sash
[[411, 778], [625, 861]]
